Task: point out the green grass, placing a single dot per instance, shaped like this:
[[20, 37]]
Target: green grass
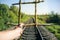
[[25, 18], [55, 29], [58, 36]]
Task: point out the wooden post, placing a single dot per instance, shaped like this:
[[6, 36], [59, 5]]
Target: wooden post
[[19, 14], [36, 13]]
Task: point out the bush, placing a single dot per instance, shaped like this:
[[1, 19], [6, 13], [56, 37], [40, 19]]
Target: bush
[[53, 18]]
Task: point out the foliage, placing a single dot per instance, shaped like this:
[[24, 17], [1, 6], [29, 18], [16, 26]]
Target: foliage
[[14, 9], [42, 19], [9, 15], [3, 16], [53, 18], [55, 29]]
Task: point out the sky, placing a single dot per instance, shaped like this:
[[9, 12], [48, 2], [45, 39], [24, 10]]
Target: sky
[[42, 8]]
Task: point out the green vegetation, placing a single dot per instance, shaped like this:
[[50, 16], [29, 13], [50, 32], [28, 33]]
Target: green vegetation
[[53, 18], [10, 15], [55, 29]]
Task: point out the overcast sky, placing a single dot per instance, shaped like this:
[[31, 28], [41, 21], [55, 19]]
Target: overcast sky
[[42, 8]]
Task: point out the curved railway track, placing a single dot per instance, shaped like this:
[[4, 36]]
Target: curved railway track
[[36, 33]]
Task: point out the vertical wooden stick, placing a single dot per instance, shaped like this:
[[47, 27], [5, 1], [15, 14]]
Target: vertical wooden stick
[[19, 14], [35, 13]]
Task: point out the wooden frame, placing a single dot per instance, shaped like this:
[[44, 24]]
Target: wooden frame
[[19, 14]]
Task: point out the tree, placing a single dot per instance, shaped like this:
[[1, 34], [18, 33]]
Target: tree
[[9, 15], [53, 18], [14, 9], [3, 15], [6, 15]]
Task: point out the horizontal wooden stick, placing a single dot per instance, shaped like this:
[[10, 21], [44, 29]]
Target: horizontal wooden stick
[[37, 24], [27, 3], [32, 24]]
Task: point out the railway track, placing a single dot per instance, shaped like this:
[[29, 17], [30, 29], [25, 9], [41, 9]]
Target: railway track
[[36, 33], [31, 33]]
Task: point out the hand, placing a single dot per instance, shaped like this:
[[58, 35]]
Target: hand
[[22, 25], [12, 34]]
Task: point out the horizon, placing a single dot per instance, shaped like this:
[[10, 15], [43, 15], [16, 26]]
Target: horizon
[[42, 8]]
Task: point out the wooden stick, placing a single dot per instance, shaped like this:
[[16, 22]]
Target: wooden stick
[[27, 3], [32, 24]]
